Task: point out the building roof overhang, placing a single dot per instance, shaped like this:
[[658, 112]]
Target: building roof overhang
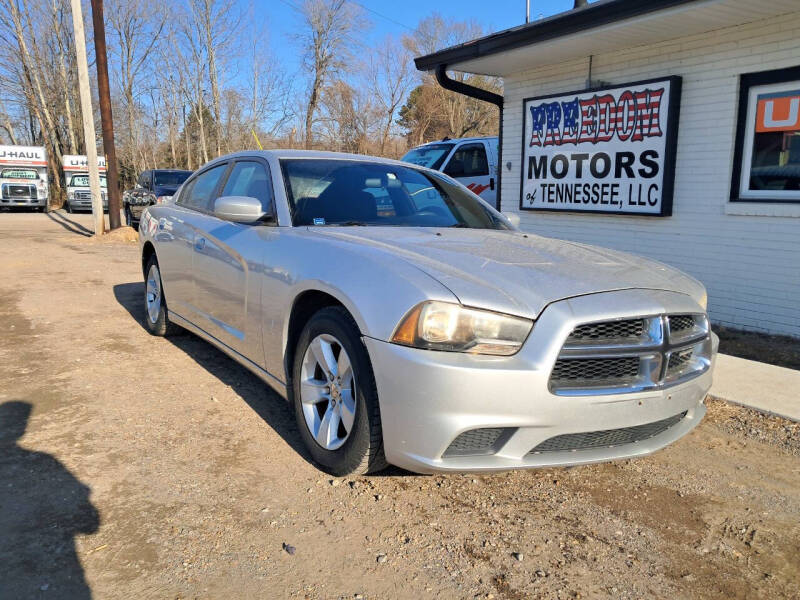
[[597, 28]]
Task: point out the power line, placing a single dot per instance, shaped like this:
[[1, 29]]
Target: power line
[[375, 12], [365, 7]]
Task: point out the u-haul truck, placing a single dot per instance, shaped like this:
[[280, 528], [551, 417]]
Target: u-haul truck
[[76, 180], [23, 177]]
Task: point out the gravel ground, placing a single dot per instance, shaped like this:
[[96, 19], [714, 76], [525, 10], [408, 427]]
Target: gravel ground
[[155, 468]]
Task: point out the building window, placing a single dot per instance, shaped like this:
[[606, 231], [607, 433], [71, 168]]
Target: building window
[[767, 153]]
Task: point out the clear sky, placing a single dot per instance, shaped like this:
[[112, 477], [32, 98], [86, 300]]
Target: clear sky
[[401, 16]]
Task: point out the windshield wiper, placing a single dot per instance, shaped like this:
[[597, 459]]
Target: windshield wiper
[[351, 224], [460, 225]]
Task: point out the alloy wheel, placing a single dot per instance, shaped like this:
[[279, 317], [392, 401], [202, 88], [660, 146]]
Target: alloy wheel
[[327, 392], [153, 294]]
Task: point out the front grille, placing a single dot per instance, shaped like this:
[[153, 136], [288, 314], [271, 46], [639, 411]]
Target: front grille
[[607, 331], [607, 438], [633, 354], [572, 370], [678, 359], [478, 442], [680, 322], [12, 191], [83, 195]]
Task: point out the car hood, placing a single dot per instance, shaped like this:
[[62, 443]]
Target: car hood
[[514, 272]]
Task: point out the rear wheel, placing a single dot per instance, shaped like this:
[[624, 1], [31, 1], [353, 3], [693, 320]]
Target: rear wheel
[[156, 319], [335, 397]]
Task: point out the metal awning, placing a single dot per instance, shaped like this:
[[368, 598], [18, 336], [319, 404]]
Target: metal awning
[[600, 27]]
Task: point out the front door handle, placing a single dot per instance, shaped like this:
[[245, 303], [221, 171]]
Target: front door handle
[[200, 243]]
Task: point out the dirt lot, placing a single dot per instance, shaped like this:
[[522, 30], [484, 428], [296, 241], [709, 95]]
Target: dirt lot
[[153, 468]]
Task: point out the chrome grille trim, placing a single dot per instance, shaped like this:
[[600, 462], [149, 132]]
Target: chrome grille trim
[[602, 357]]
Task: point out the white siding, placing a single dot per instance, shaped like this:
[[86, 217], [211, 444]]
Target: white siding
[[750, 264]]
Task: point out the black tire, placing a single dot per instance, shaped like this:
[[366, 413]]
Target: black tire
[[362, 451], [161, 326], [128, 216], [69, 208]]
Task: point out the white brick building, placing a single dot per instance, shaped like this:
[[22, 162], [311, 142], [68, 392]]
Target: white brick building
[[729, 54]]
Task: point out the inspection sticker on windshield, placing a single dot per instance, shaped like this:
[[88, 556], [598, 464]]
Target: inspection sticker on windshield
[[319, 221]]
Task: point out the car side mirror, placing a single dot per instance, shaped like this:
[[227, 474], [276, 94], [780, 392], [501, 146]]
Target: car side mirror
[[513, 218], [240, 209]]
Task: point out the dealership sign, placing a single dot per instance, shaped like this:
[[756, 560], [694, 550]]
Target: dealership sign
[[609, 150]]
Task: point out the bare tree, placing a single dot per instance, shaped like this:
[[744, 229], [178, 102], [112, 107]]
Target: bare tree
[[326, 44], [135, 27], [389, 78], [432, 111]]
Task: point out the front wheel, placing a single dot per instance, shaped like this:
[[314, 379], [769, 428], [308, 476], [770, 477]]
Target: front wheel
[[128, 216], [335, 397], [155, 318], [69, 208]]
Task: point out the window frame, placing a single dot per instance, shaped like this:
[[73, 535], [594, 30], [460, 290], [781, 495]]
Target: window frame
[[743, 142], [270, 216], [215, 192], [468, 146]]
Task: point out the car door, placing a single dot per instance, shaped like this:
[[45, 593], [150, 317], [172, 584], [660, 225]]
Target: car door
[[227, 256], [177, 229], [469, 164]]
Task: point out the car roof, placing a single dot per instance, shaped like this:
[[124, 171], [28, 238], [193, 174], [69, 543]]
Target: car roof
[[288, 153], [465, 139]]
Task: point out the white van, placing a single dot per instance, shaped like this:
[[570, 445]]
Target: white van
[[471, 161], [23, 177]]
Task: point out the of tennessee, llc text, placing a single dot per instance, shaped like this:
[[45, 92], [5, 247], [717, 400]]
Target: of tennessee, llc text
[[630, 195]]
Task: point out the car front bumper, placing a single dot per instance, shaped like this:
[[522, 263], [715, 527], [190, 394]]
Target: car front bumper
[[428, 398], [23, 202]]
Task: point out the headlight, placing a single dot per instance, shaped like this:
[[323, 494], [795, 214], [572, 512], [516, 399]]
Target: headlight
[[163, 199], [71, 195], [454, 328], [704, 300]]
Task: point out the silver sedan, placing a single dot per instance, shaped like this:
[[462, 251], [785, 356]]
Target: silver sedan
[[408, 322]]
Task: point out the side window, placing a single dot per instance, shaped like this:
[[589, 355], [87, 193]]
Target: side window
[[468, 161], [198, 193], [249, 178]]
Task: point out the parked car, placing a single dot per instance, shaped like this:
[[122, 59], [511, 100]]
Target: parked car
[[152, 187], [408, 322], [470, 161]]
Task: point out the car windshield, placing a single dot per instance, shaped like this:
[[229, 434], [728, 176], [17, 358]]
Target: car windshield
[[83, 181], [347, 192], [431, 155], [19, 174], [170, 177]]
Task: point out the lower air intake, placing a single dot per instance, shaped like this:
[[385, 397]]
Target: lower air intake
[[478, 442], [607, 438]]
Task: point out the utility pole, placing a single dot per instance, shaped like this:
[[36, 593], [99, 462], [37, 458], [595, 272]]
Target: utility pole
[[106, 117], [527, 11], [88, 117]]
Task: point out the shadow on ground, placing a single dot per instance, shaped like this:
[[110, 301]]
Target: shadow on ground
[[42, 508], [259, 396], [68, 224], [266, 403]]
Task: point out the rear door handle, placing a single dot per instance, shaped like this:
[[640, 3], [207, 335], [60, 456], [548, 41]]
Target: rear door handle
[[200, 243]]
